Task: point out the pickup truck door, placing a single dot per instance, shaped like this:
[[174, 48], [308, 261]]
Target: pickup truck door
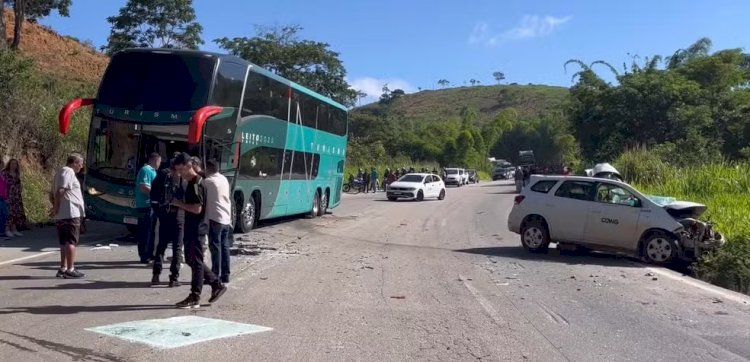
[[567, 210], [613, 217]]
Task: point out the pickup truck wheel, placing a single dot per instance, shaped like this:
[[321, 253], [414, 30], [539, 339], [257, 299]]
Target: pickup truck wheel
[[535, 236], [659, 248], [442, 195]]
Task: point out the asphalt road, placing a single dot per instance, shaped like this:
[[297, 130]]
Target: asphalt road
[[386, 281]]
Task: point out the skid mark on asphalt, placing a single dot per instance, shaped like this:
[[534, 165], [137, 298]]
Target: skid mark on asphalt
[[177, 331], [553, 316]]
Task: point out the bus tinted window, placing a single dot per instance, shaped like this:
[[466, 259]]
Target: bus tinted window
[[265, 96], [303, 165], [228, 85], [144, 81], [261, 163]]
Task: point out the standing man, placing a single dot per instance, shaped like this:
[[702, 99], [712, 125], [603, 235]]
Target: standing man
[[194, 203], [165, 188], [146, 212], [374, 179], [219, 217], [68, 212]]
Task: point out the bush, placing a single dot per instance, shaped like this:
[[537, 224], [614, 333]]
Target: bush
[[28, 118], [723, 187]]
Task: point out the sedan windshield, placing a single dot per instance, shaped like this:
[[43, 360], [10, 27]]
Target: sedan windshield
[[411, 178]]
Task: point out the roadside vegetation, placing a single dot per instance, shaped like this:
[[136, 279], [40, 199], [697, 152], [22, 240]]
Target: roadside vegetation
[[723, 187]]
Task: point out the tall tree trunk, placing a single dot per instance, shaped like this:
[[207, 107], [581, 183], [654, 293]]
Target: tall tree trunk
[[19, 8], [3, 40]]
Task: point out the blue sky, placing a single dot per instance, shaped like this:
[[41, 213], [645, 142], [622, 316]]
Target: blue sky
[[411, 44]]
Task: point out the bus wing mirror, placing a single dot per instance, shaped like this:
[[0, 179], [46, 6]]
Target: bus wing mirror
[[198, 120], [67, 110]]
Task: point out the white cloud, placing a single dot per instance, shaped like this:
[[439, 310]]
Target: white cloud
[[373, 87], [531, 26]]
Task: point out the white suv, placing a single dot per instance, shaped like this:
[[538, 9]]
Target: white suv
[[606, 214], [455, 176]]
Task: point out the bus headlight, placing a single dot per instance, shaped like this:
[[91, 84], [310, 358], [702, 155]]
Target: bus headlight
[[94, 192]]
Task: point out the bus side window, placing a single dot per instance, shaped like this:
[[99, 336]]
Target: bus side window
[[261, 163]]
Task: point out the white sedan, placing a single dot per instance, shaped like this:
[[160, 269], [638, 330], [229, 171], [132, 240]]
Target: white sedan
[[416, 186]]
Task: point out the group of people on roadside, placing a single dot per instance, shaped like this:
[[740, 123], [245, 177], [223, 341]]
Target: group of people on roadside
[[191, 207], [371, 183], [522, 174], [12, 214]]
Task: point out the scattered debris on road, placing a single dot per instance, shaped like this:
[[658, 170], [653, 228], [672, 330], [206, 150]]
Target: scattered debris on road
[[717, 300], [101, 248], [654, 278], [398, 297], [649, 274]]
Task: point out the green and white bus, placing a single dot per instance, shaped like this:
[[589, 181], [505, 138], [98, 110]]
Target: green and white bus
[[281, 145]]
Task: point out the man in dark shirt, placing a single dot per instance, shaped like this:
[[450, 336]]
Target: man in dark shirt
[[165, 188], [195, 230]]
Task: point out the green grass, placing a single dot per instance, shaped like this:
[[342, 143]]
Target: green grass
[[724, 188]]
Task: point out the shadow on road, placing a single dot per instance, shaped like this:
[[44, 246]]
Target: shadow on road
[[53, 265], [73, 353], [75, 309], [92, 285], [507, 192], [555, 256]]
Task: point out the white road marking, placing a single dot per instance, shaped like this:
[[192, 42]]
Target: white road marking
[[39, 255], [725, 293], [482, 301]]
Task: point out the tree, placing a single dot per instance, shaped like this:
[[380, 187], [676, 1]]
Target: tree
[[473, 82], [499, 76], [443, 83], [33, 10], [3, 42], [154, 24], [307, 62]]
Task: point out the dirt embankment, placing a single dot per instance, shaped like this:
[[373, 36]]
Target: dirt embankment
[[57, 55]]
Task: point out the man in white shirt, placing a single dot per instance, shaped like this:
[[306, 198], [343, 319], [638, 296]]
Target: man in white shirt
[[68, 212], [219, 219]]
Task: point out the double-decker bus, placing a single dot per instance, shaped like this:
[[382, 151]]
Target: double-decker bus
[[281, 145]]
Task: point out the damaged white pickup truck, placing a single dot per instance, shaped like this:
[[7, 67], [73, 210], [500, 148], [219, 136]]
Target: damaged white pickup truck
[[609, 215]]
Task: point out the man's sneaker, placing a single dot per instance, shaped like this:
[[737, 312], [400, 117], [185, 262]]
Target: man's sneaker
[[75, 274], [60, 273], [174, 283], [192, 301], [217, 292], [155, 280]]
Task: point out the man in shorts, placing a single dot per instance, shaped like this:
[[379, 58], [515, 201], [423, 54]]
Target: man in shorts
[[68, 212]]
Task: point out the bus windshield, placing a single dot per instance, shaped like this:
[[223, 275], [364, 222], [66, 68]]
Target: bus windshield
[[148, 81], [118, 149]]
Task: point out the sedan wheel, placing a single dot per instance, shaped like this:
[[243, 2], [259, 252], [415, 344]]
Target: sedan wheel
[[535, 237], [660, 249], [442, 194]]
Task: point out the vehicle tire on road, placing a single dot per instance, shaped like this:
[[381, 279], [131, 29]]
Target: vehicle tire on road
[[659, 248], [442, 195], [420, 195], [247, 216], [323, 208], [535, 236], [315, 206], [392, 198]]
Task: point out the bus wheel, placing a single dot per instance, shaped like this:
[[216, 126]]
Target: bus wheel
[[246, 220], [323, 208], [315, 206]]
